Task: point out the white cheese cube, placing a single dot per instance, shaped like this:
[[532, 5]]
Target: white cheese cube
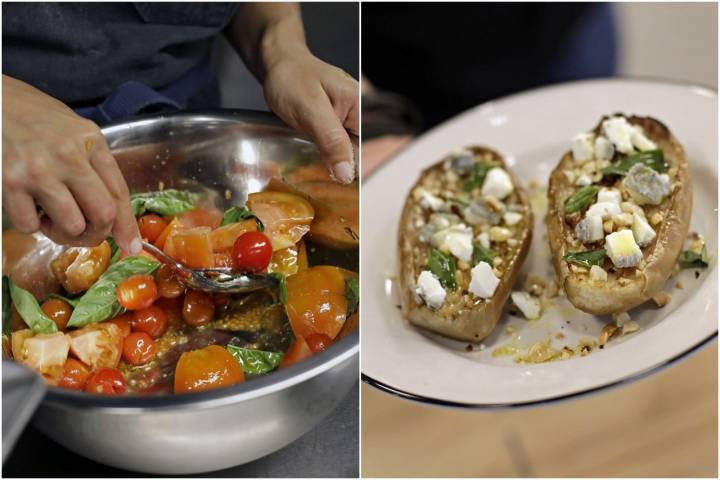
[[645, 185], [642, 231], [590, 229], [582, 147], [527, 304], [622, 249], [603, 209], [512, 218], [619, 132], [640, 141], [604, 149], [611, 195], [459, 242], [483, 281], [497, 183], [484, 239], [430, 290], [583, 180]]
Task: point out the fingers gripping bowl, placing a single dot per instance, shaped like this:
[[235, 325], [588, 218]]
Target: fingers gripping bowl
[[224, 156]]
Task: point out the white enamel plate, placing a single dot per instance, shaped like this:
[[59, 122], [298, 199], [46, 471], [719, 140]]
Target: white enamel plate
[[533, 130]]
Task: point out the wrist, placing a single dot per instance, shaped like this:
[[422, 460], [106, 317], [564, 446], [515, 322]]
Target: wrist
[[281, 39]]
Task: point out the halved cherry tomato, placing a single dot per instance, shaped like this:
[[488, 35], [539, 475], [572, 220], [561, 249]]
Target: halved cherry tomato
[[173, 227], [75, 375], [78, 267], [151, 320], [45, 353], [123, 322], [192, 247], [316, 300], [252, 252], [205, 369], [318, 342], [151, 226], [167, 283], [138, 348], [298, 351], [223, 260], [137, 291], [223, 238], [173, 308], [198, 308], [97, 345], [59, 312], [200, 217], [106, 381], [286, 217]]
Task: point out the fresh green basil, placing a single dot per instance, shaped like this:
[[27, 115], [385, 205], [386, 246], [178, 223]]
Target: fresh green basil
[[282, 286], [114, 250], [477, 176], [100, 301], [580, 200], [352, 294], [73, 302], [29, 309], [443, 267], [6, 306], [463, 202], [690, 259], [482, 254], [165, 202], [238, 214], [652, 158], [255, 362], [586, 259]]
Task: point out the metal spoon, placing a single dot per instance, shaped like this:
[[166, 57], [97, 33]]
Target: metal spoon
[[215, 280]]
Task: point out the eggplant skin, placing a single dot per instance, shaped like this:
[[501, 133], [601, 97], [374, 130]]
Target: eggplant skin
[[474, 324], [660, 256]]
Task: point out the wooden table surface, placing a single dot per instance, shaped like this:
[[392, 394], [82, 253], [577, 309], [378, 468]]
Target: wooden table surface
[[664, 425]]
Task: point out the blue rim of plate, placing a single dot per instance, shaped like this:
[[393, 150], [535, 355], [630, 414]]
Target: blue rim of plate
[[383, 387]]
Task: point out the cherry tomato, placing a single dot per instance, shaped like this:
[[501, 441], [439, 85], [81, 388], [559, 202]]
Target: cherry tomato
[[252, 252], [59, 312], [192, 247], [106, 381], [318, 342], [137, 292], [298, 351], [138, 348], [97, 345], [151, 320], [173, 308], [167, 283], [222, 239], [286, 217], [151, 226], [205, 369], [123, 322], [75, 375], [198, 308], [77, 268]]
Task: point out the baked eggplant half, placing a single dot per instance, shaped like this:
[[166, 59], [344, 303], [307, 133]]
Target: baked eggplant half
[[618, 214], [464, 233]]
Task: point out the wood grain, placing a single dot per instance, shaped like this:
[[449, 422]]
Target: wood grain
[[664, 425]]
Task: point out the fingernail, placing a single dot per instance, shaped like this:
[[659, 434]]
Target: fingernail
[[135, 246], [344, 172]]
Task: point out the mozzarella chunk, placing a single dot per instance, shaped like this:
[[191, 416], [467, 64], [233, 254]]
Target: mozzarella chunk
[[590, 229], [497, 183], [642, 231], [484, 239], [645, 185], [619, 132], [483, 281], [527, 304], [622, 249], [640, 141], [604, 149], [583, 180], [512, 218], [611, 195], [603, 209], [430, 290], [582, 147]]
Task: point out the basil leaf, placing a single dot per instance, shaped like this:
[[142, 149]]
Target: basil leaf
[[255, 362], [29, 309], [586, 259], [73, 302], [237, 214], [482, 254], [463, 202], [100, 301], [443, 267], [690, 259], [6, 306], [114, 250], [352, 294], [652, 158], [282, 286], [165, 202], [580, 200], [477, 176]]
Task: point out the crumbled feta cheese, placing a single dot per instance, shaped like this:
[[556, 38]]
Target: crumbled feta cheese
[[582, 147], [512, 218], [484, 239], [462, 161], [640, 141], [603, 209], [459, 242], [645, 185], [497, 183], [430, 290], [430, 201], [590, 229], [478, 212], [583, 180], [604, 149], [622, 249], [483, 281], [619, 132], [642, 231], [527, 304], [611, 195], [598, 274]]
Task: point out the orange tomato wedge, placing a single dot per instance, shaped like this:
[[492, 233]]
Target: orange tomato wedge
[[223, 260], [205, 369], [289, 261], [286, 217], [223, 238], [192, 247], [173, 227]]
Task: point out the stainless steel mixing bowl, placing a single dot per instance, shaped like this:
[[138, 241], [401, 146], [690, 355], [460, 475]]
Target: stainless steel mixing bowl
[[232, 153]]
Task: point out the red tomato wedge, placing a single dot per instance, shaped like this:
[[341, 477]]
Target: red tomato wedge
[[298, 351], [286, 217], [192, 247], [98, 345], [223, 238]]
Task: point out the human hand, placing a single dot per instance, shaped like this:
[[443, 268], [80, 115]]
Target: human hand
[[59, 161], [379, 150]]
